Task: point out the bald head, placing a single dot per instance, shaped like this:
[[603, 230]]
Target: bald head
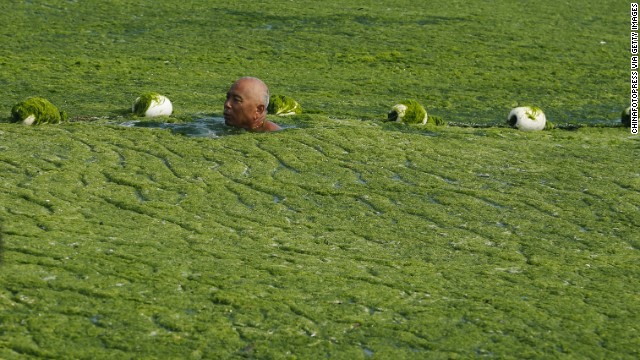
[[246, 104], [255, 87]]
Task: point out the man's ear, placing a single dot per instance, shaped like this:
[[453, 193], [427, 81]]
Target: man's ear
[[261, 108]]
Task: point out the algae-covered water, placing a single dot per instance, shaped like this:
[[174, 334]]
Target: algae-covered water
[[465, 61], [341, 236]]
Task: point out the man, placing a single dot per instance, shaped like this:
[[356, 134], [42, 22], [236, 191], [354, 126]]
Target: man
[[246, 106]]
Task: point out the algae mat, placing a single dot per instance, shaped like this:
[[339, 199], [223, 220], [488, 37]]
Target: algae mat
[[337, 238], [334, 238]]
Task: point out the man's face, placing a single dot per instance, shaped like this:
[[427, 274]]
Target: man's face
[[240, 108]]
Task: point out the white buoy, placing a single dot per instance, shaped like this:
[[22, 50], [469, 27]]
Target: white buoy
[[152, 104], [527, 118]]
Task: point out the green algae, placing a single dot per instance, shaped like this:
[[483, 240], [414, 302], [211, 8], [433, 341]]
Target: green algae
[[36, 111], [335, 237], [436, 120], [533, 113], [283, 105], [548, 125], [340, 237], [1, 244]]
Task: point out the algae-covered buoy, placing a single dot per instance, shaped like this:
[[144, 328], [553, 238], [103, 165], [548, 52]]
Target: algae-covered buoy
[[625, 117], [35, 111], [152, 104], [408, 111], [527, 118], [282, 105]]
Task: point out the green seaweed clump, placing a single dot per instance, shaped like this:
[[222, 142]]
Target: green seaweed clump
[[282, 105], [435, 120], [37, 110], [534, 112], [625, 117], [409, 112], [141, 105]]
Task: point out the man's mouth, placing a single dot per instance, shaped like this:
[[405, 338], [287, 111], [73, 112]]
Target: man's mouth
[[228, 119]]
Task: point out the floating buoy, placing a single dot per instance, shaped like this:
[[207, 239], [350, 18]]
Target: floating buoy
[[625, 117], [152, 104], [412, 112], [527, 118], [37, 110], [408, 111]]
